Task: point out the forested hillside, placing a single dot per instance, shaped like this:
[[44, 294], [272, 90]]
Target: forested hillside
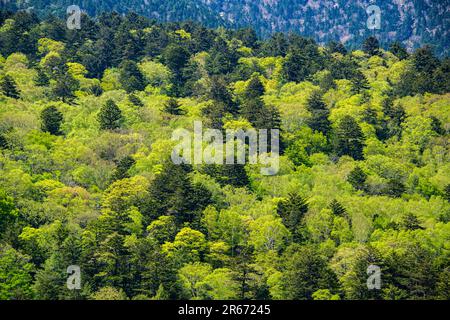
[[412, 22], [86, 178]]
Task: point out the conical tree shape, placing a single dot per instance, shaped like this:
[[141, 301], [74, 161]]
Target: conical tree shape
[[41, 79], [9, 87], [51, 120], [319, 114], [349, 139], [110, 116], [173, 107]]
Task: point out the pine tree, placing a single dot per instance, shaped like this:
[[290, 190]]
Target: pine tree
[[173, 107], [319, 114], [110, 116], [9, 87], [349, 139], [51, 119], [357, 178]]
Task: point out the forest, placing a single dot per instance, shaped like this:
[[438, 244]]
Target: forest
[[86, 178]]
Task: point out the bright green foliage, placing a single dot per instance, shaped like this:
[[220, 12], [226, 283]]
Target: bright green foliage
[[15, 275], [363, 175]]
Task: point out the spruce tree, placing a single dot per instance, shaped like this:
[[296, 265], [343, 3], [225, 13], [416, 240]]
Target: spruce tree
[[110, 116], [292, 211], [359, 82], [51, 119], [337, 208], [41, 79], [319, 114], [135, 100], [173, 107], [9, 87], [371, 46], [398, 50], [295, 66], [357, 178], [3, 141], [255, 88], [349, 139], [121, 171], [447, 192], [410, 222], [131, 77]]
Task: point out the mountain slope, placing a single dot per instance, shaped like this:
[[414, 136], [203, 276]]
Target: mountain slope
[[413, 22]]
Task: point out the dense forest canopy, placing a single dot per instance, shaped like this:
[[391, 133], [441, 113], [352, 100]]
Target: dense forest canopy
[[86, 179], [411, 22]]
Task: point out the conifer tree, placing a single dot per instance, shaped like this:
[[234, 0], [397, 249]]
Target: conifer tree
[[371, 46], [110, 116], [357, 178], [349, 139], [319, 114], [292, 211], [398, 50], [41, 79], [121, 171], [135, 100], [173, 107], [9, 87], [255, 88], [131, 77], [51, 119], [359, 82]]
